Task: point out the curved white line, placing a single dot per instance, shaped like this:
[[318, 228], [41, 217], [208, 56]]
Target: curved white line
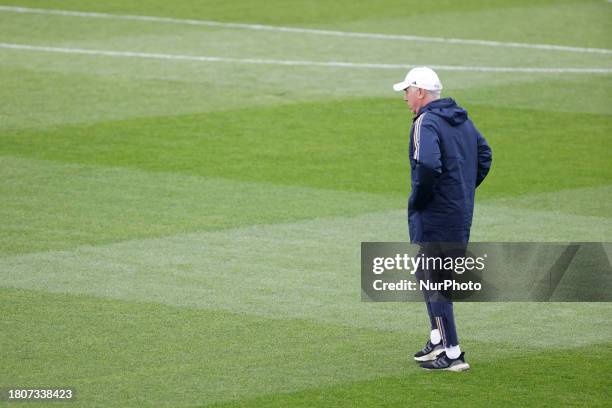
[[261, 27], [331, 64]]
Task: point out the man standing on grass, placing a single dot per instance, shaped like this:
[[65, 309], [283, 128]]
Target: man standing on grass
[[449, 158]]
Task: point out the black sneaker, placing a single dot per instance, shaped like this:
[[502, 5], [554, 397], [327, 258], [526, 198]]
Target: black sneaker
[[429, 352], [448, 364]]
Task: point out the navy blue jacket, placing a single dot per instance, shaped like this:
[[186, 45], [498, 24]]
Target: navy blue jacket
[[449, 158]]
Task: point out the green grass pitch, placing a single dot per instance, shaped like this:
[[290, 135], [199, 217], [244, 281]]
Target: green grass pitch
[[186, 234]]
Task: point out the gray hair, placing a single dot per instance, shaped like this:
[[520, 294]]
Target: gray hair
[[435, 94]]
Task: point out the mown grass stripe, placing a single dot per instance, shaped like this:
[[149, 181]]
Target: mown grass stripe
[[298, 30], [263, 61], [305, 270]]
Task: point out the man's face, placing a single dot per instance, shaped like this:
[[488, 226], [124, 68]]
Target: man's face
[[413, 99]]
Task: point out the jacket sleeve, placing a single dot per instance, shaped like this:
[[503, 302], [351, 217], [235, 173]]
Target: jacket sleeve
[[428, 164], [485, 157]]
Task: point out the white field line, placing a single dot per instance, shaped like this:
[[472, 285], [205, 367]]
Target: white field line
[[331, 64], [261, 27]]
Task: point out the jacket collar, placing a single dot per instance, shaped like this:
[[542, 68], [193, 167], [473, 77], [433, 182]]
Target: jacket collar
[[438, 103]]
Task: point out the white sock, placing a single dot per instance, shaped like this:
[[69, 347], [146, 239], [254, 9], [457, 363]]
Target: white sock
[[453, 352], [435, 336]]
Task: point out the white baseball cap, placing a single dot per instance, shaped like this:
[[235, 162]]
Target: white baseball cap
[[420, 77]]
